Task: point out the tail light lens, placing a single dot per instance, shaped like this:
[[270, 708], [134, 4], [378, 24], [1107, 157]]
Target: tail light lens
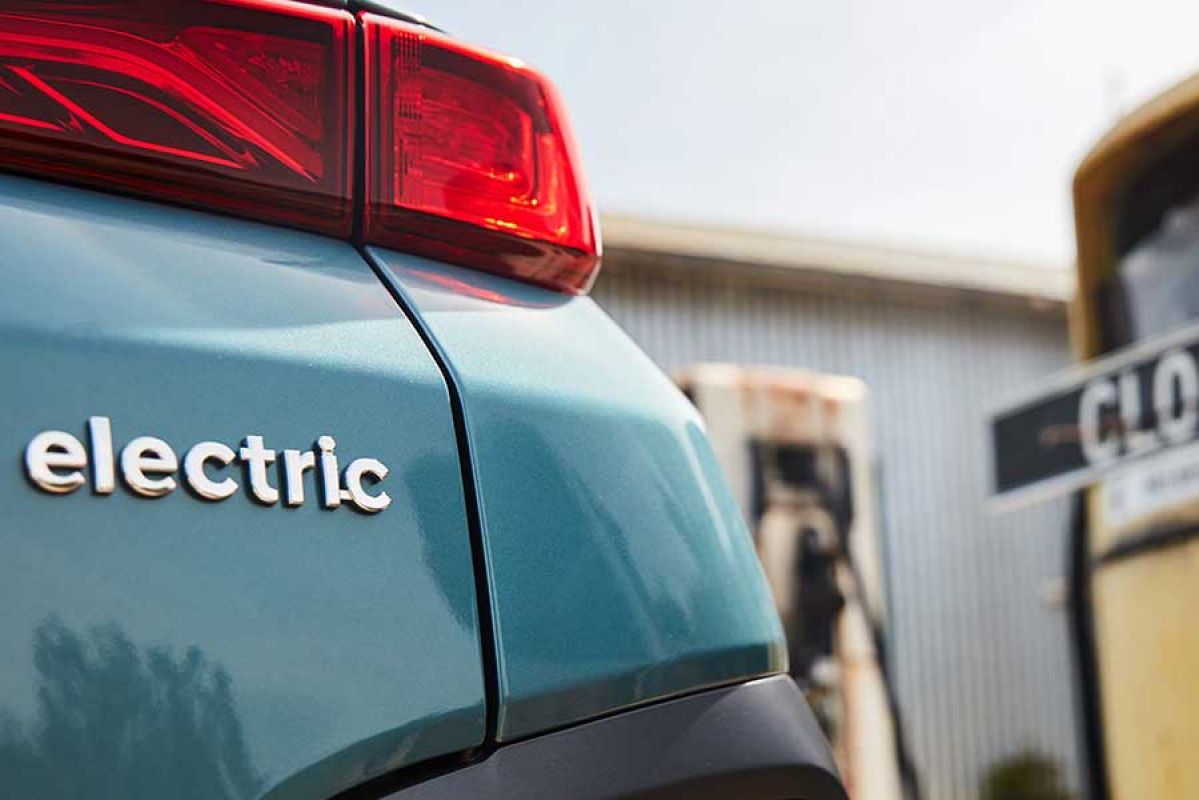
[[470, 158], [240, 106], [246, 107]]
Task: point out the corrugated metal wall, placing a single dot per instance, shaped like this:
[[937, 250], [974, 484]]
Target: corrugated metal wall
[[982, 659]]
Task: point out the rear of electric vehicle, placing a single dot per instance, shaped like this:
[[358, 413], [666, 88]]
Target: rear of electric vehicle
[[322, 475]]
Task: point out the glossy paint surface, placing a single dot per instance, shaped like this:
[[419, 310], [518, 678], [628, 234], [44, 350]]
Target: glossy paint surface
[[179, 648], [619, 566]]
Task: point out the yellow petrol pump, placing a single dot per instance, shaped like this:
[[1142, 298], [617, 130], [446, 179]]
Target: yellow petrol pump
[[1137, 217], [1121, 431]]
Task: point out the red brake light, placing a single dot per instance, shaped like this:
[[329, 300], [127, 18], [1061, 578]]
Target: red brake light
[[232, 105], [245, 107], [470, 158]]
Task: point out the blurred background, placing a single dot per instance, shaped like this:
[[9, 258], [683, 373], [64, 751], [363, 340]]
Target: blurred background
[[933, 124], [882, 191]]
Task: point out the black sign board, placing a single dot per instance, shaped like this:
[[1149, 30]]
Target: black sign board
[[1081, 424]]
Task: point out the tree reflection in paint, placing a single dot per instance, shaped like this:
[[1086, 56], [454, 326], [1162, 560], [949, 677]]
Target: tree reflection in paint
[[115, 720]]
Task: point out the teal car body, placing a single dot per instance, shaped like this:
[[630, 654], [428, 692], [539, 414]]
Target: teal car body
[[618, 566], [349, 642], [559, 558]]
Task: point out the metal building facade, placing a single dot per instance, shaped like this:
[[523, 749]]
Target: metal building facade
[[979, 648]]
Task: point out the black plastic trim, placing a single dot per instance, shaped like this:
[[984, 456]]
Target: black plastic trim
[[390, 8], [756, 741], [384, 8]]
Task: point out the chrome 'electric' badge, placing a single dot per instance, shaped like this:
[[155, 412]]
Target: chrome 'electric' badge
[[57, 462]]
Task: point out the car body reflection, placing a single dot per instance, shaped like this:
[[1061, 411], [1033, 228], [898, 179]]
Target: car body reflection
[[117, 720]]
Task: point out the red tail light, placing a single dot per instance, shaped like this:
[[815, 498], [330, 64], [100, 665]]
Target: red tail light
[[246, 107], [232, 105], [470, 158]]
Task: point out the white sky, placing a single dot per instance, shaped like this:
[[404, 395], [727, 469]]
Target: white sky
[[936, 123]]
